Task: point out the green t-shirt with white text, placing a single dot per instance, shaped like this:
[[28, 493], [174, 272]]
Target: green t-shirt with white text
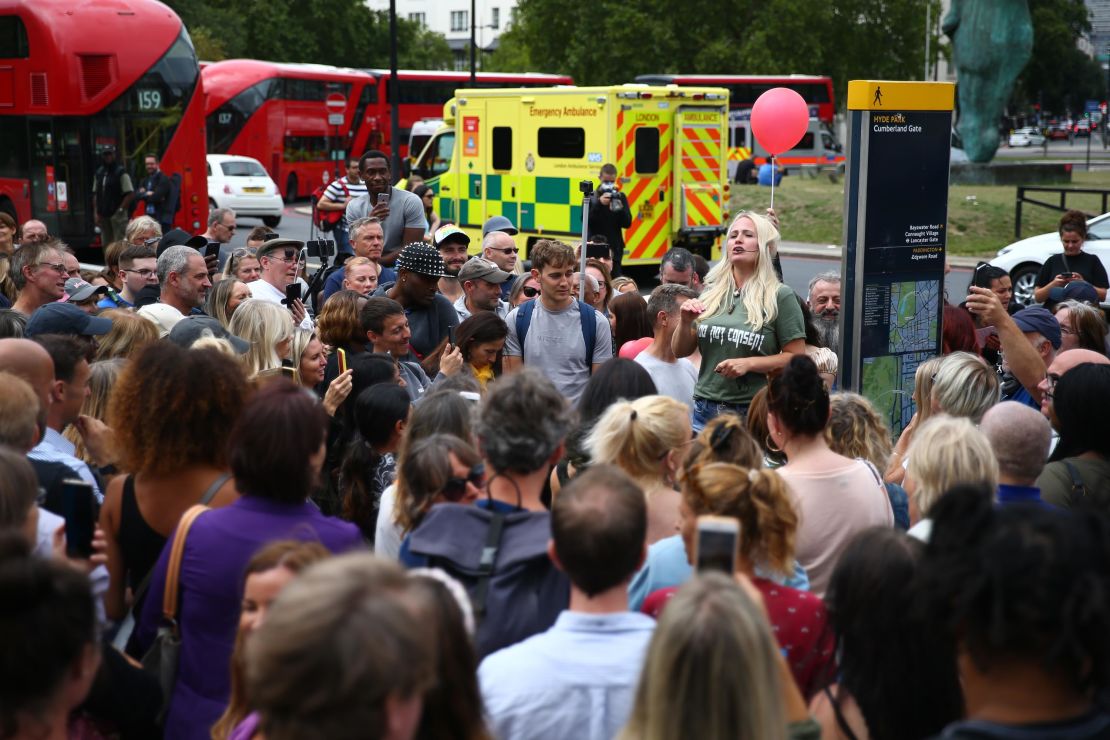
[[727, 336]]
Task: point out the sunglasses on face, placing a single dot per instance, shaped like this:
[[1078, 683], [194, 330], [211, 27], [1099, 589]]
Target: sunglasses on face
[[530, 292], [506, 250], [455, 488]]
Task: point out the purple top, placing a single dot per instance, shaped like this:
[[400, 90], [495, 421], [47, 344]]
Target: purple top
[[245, 730], [217, 550]]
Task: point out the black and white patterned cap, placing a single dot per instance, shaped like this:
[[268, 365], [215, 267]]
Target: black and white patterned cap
[[423, 259]]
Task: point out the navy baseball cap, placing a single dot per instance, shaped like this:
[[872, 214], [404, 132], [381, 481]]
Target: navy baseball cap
[[1041, 321], [1076, 290], [180, 237], [65, 318]]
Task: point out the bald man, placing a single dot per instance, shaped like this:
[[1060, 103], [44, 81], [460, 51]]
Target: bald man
[[1064, 361], [1020, 437], [30, 361]]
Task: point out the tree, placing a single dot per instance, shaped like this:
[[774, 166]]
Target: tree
[[612, 41], [1059, 76], [339, 32]]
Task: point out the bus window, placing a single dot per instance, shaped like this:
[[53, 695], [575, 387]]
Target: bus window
[[647, 150], [306, 149], [502, 148], [561, 142], [13, 38]]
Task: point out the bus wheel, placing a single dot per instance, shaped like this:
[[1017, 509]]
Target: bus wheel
[[291, 189], [7, 207], [271, 221]]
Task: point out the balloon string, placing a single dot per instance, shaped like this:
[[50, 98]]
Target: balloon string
[[771, 159]]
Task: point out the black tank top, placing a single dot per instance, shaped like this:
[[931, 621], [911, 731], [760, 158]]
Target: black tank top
[[139, 543]]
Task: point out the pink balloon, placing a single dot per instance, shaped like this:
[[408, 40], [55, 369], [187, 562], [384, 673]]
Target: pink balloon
[[780, 118]]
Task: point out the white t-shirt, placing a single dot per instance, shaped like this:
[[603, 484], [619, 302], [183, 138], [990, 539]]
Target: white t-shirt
[[263, 291], [674, 379], [387, 534], [554, 345]]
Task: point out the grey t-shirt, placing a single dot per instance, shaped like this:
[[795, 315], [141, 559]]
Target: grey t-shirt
[[406, 211], [674, 379], [554, 345]]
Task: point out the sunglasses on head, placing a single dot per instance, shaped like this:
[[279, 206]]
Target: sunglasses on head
[[455, 488], [530, 292]]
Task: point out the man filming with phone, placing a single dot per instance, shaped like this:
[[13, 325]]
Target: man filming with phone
[[400, 212], [280, 262]]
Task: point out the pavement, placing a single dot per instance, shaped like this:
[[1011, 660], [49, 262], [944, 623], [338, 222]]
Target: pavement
[[790, 249]]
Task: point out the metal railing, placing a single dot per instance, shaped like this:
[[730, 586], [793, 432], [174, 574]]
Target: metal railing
[[1063, 192]]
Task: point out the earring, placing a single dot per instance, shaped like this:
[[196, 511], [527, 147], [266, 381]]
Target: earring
[[769, 444]]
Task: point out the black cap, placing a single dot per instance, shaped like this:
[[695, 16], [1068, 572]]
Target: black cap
[[177, 238]]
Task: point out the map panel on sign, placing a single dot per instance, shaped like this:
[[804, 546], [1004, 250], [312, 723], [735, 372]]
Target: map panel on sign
[[913, 312]]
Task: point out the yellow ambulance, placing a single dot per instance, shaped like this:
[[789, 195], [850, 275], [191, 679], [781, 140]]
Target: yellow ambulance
[[521, 153]]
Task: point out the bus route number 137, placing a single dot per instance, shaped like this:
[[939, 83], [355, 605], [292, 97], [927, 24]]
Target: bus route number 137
[[150, 99]]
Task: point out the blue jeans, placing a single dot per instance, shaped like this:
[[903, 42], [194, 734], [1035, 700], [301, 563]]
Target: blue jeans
[[705, 411]]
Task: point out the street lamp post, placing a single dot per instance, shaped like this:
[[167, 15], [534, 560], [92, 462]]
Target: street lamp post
[[473, 44]]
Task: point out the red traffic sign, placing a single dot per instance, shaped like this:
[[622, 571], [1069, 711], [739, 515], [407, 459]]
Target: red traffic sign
[[336, 103]]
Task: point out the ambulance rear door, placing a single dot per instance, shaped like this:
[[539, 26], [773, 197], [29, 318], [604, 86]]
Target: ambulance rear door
[[698, 206], [499, 187], [473, 153], [644, 130]]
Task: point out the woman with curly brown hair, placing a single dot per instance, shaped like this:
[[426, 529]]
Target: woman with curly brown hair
[[172, 411], [759, 500]]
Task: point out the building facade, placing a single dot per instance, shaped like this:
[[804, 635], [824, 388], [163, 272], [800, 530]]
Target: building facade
[[452, 19]]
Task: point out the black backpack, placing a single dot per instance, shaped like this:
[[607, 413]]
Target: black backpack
[[501, 560]]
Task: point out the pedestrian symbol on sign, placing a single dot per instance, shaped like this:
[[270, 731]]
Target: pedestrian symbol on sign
[[878, 96]]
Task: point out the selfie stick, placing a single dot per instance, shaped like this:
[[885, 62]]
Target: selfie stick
[[587, 187]]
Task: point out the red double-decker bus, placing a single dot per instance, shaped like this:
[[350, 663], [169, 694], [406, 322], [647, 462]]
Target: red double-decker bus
[[279, 115], [421, 94], [743, 90], [78, 77]]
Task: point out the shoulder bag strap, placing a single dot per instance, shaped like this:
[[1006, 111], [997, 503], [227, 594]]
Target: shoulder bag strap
[[485, 565], [214, 488], [589, 331], [173, 570], [1078, 487], [523, 321]]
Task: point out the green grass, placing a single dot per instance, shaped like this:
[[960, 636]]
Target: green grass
[[980, 217]]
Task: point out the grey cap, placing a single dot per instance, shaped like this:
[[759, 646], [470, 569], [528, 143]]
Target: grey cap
[[498, 223], [191, 328], [483, 269]]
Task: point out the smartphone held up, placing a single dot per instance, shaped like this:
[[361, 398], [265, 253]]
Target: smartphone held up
[[717, 544]]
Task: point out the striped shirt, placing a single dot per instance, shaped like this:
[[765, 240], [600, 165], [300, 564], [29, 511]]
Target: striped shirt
[[56, 448], [334, 191]]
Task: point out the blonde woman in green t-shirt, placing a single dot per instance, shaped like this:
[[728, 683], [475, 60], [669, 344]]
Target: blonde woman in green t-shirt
[[746, 323]]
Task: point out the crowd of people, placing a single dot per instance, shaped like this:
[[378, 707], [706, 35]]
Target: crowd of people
[[441, 492]]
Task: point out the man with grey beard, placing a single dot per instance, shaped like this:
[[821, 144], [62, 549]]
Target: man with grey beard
[[824, 302]]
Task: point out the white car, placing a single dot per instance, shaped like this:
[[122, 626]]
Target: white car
[[1023, 259], [1026, 137], [242, 184]]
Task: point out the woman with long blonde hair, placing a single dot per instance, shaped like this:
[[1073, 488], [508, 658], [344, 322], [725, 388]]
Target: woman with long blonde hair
[[746, 323], [648, 439], [102, 379], [713, 670], [269, 329]]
